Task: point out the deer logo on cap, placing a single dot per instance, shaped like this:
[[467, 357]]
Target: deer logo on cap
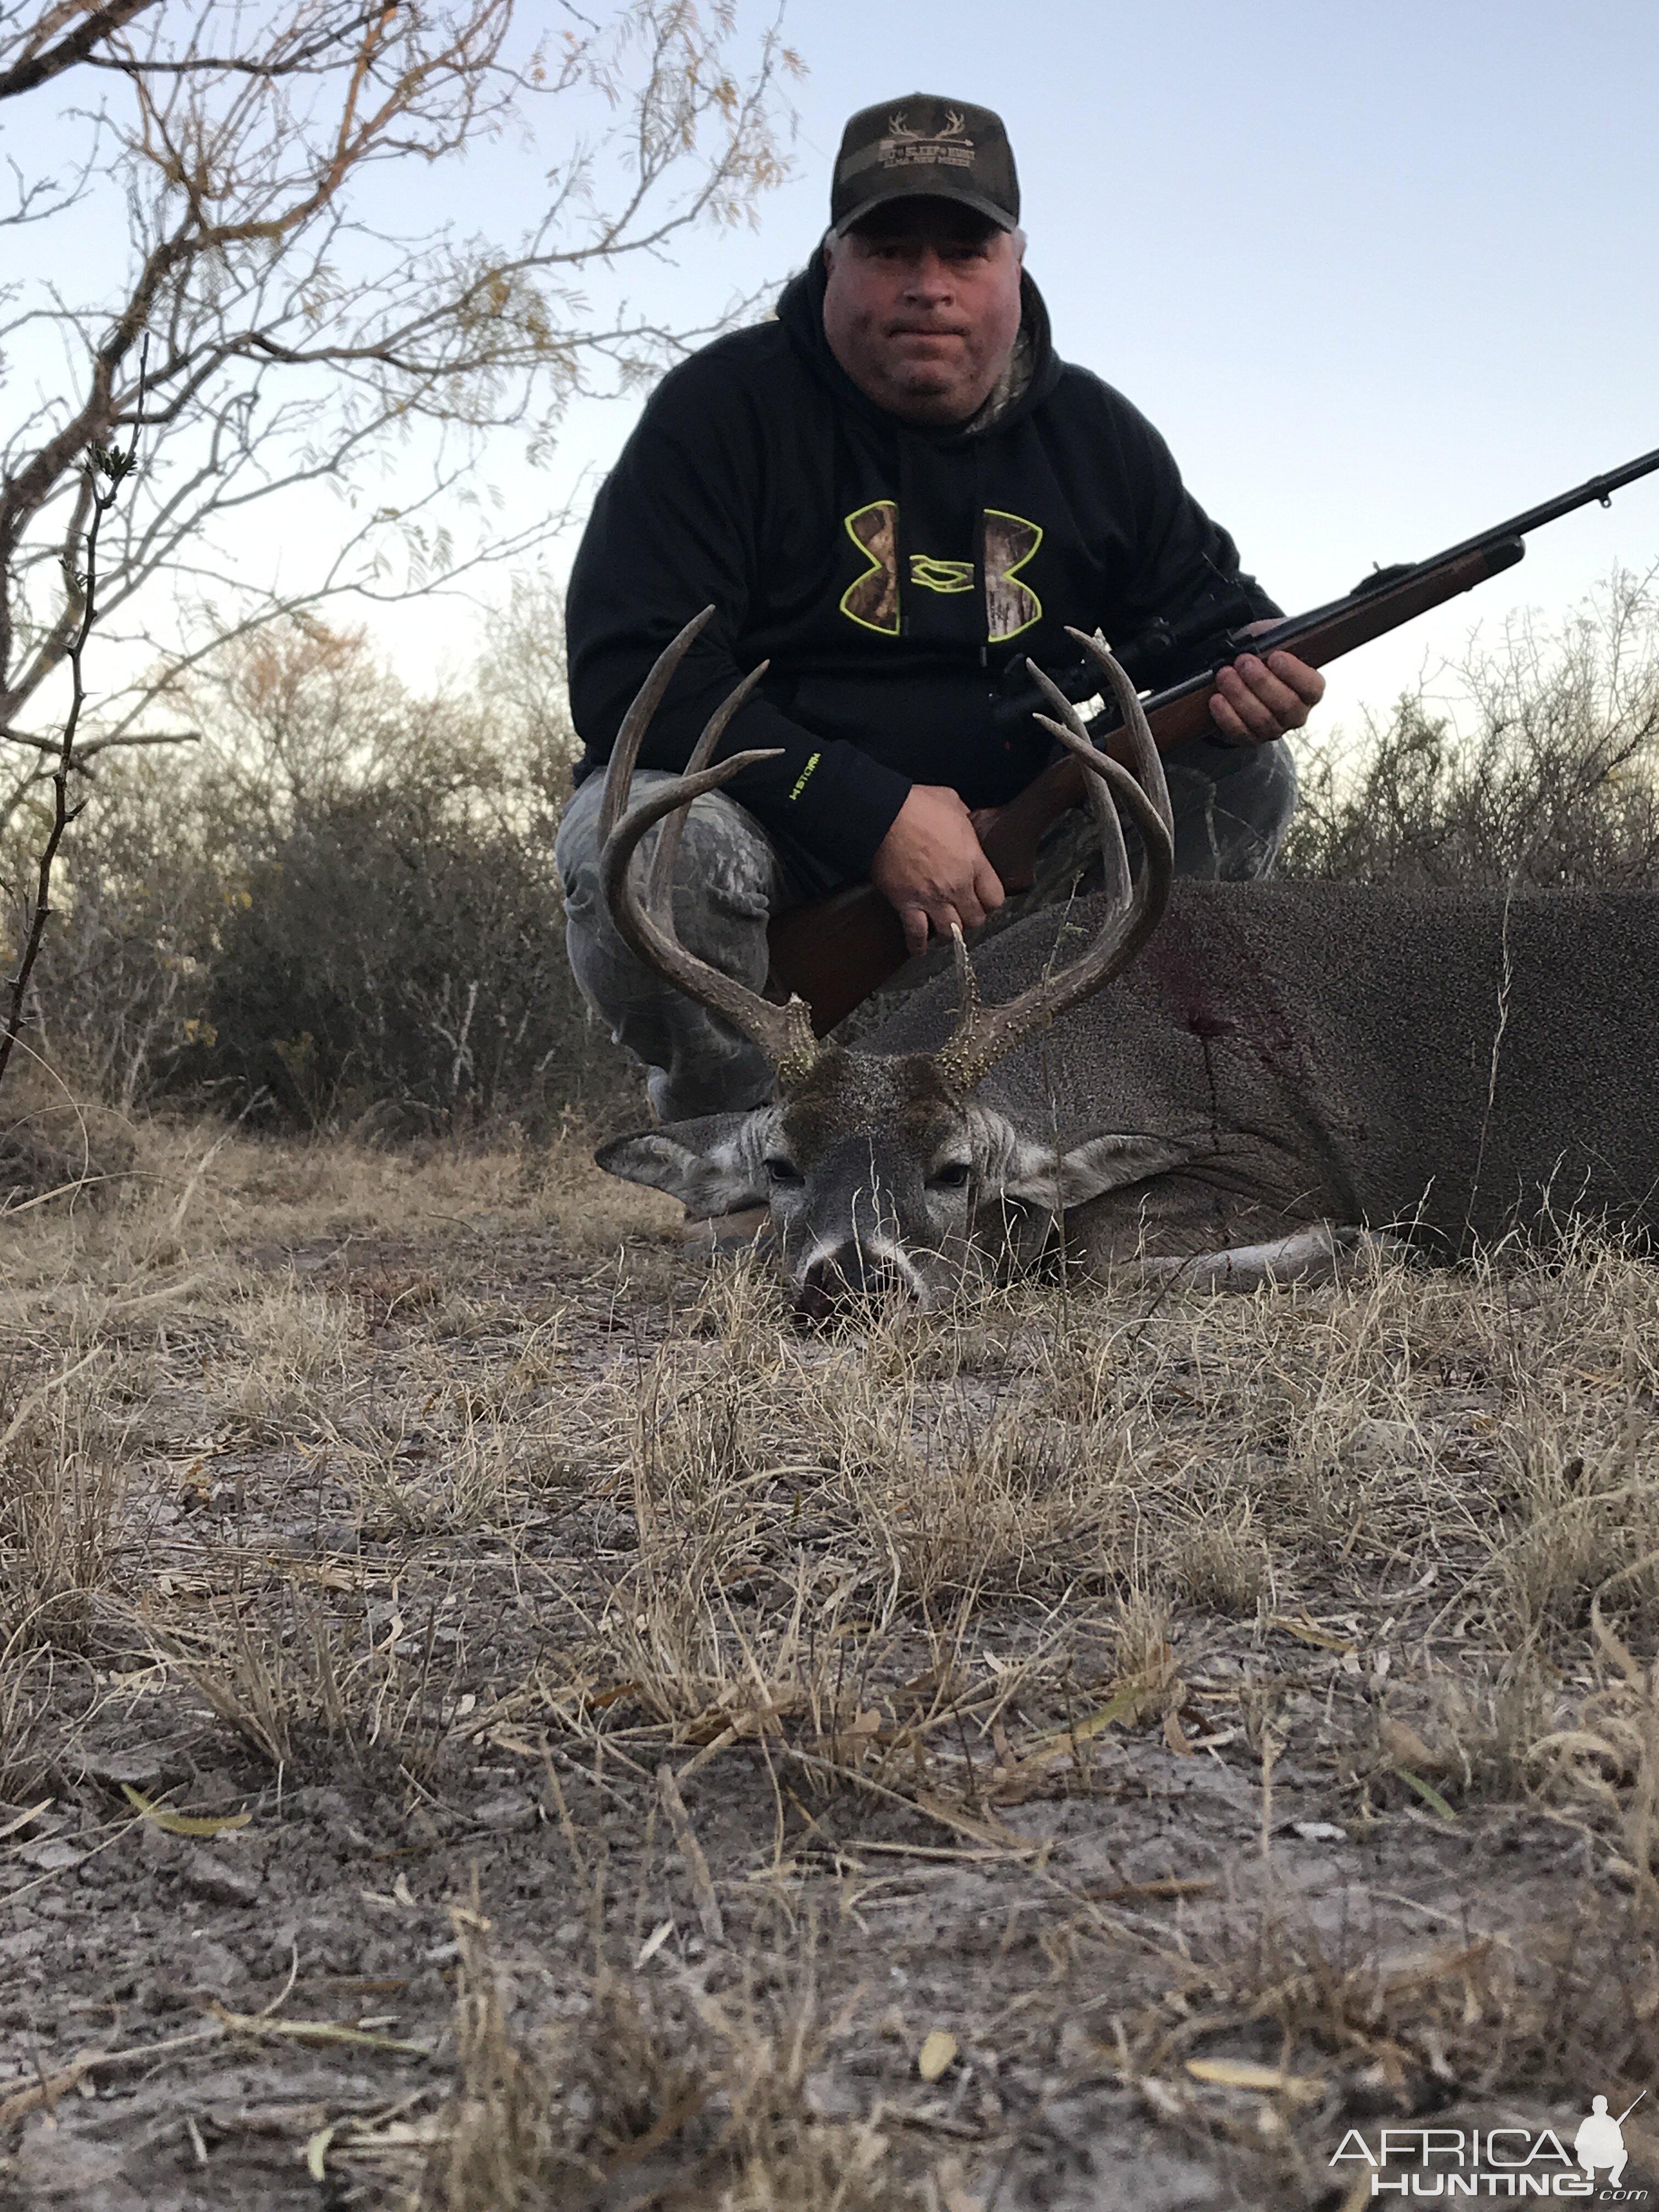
[[955, 127], [951, 145]]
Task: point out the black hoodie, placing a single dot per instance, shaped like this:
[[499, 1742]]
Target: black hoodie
[[895, 576]]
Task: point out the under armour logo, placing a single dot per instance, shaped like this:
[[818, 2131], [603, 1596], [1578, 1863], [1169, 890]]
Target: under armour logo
[[872, 599]]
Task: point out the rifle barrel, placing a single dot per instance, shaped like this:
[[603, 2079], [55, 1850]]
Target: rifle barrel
[[1600, 487], [1597, 487]]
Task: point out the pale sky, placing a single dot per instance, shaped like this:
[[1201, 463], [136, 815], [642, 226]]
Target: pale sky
[[1382, 276]]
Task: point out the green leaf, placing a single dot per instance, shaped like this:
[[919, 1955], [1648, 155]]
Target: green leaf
[[1427, 1792]]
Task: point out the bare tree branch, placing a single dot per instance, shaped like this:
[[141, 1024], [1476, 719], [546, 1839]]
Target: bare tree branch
[[39, 62], [250, 311], [295, 342], [105, 471], [36, 63]]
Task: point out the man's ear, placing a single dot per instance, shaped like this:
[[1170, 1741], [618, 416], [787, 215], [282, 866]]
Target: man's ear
[[1055, 1174], [712, 1165]]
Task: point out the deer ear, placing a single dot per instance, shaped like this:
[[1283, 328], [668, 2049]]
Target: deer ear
[[712, 1165], [1049, 1172]]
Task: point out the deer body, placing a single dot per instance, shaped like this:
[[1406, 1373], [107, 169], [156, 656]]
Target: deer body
[[1443, 1063], [1231, 1095]]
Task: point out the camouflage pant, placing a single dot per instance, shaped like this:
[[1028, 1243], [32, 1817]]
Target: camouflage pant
[[1233, 806]]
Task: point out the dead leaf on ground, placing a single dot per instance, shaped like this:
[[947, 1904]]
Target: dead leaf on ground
[[1308, 1630], [1245, 2074], [654, 1943], [1405, 1747], [182, 1824], [21, 1819], [47, 2092], [317, 2150], [937, 2051], [1163, 1886]]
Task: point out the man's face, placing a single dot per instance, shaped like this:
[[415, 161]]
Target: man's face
[[922, 308]]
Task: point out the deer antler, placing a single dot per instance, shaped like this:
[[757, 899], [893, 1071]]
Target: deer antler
[[784, 1034], [985, 1035]]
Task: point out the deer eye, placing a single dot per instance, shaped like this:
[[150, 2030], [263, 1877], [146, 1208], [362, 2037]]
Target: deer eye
[[783, 1170], [952, 1176]]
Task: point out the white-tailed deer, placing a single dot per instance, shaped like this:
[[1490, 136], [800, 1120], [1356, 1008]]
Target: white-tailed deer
[[1286, 1066]]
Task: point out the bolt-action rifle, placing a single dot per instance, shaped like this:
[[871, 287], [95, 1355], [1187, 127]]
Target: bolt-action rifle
[[836, 950]]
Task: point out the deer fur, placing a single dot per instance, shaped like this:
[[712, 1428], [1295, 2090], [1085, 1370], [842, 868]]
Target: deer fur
[[1447, 1064], [1231, 1083]]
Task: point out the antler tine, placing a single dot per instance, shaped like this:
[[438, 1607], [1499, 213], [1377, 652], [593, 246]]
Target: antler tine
[[1145, 792], [1114, 855], [784, 1034], [967, 983], [985, 1035], [1148, 761], [659, 882], [1147, 818], [626, 750]]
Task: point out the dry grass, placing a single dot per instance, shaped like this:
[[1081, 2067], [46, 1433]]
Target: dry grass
[[690, 2099], [390, 1467], [1468, 2022], [64, 1439]]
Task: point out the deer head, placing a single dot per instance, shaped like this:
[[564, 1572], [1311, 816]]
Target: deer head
[[877, 1169]]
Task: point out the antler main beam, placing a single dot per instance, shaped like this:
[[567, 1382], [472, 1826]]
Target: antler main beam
[[783, 1033], [985, 1035]]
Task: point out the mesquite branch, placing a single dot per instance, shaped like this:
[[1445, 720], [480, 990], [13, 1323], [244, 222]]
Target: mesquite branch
[[106, 468], [304, 342]]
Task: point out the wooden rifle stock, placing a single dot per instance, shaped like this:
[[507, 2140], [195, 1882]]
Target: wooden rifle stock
[[836, 951]]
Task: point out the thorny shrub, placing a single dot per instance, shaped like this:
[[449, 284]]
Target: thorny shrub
[[343, 901], [1541, 770]]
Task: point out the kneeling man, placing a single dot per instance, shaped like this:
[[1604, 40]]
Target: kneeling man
[[896, 493]]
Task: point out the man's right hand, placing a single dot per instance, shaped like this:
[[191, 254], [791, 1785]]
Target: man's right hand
[[932, 869]]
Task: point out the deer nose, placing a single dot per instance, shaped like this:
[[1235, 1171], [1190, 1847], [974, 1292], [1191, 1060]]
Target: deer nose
[[849, 1271]]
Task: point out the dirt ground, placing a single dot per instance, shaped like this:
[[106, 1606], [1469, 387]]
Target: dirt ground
[[492, 1716]]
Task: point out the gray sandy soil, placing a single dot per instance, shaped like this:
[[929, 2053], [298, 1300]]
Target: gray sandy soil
[[491, 1716]]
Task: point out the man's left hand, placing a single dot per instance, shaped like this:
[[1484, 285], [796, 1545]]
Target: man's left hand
[[1256, 701]]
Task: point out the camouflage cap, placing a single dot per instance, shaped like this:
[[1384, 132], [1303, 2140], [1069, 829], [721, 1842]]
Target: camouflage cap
[[923, 147]]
